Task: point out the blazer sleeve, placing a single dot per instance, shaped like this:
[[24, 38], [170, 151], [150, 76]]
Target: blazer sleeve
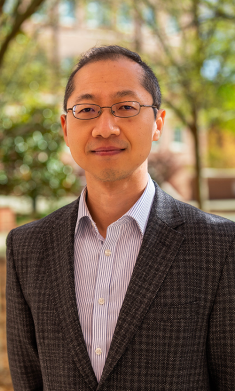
[[21, 342], [221, 339]]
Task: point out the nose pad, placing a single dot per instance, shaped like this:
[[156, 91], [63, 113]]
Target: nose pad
[[101, 111]]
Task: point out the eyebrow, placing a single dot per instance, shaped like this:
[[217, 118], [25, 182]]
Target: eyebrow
[[118, 94], [84, 96], [123, 93]]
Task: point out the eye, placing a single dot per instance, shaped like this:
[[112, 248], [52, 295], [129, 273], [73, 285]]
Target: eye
[[126, 107], [86, 110]]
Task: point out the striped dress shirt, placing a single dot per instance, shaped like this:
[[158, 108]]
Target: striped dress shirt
[[102, 271]]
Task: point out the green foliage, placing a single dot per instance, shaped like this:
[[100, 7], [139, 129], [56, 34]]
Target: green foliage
[[194, 62], [27, 73], [195, 65], [221, 146], [30, 154], [13, 13], [31, 142]]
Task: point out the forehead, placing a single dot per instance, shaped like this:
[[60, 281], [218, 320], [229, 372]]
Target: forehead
[[109, 77]]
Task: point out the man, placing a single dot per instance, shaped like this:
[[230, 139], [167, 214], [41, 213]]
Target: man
[[125, 288]]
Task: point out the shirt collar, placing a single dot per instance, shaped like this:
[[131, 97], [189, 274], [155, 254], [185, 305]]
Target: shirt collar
[[139, 211]]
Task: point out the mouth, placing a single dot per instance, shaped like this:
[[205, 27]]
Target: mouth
[[107, 151]]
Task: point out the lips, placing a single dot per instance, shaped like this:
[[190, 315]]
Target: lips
[[107, 151]]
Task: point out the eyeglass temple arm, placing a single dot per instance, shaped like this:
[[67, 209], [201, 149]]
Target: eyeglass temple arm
[[154, 107]]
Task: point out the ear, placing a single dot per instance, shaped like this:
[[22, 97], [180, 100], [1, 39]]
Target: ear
[[159, 124], [63, 119]]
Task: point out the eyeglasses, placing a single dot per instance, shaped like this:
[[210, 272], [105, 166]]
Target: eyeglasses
[[125, 109]]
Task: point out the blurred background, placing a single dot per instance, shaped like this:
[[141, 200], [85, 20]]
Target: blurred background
[[191, 47]]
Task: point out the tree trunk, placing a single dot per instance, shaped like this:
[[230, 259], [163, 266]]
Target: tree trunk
[[18, 20], [199, 182], [54, 22], [34, 202], [137, 30], [198, 177]]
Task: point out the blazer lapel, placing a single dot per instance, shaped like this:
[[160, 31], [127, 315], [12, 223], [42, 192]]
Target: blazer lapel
[[159, 248], [61, 265]]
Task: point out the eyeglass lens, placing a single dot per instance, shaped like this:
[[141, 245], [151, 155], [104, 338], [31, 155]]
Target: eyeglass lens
[[122, 109]]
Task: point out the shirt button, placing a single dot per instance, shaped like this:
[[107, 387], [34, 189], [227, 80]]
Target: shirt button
[[107, 252], [98, 351], [101, 301]]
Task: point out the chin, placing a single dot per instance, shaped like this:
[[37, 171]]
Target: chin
[[112, 175]]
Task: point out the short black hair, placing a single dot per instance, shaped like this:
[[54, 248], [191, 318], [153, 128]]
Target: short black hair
[[113, 52]]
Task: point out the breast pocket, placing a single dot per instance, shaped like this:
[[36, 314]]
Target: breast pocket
[[176, 313], [173, 331]]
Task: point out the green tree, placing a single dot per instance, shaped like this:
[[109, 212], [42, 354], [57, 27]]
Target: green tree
[[12, 16], [31, 143], [194, 61], [30, 154], [27, 73]]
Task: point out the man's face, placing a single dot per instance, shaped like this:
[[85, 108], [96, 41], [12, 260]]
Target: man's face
[[109, 148]]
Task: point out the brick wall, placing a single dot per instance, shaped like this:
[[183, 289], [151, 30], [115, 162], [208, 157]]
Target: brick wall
[[7, 220]]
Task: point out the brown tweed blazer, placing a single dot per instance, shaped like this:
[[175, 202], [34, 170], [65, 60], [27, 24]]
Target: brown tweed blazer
[[176, 328]]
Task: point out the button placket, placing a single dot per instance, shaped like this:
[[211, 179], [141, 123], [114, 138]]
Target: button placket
[[108, 252], [98, 351], [101, 301], [101, 298]]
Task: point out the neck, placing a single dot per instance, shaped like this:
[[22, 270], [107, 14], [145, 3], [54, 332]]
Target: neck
[[108, 201]]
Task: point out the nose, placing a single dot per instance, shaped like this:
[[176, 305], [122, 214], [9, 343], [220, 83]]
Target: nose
[[106, 124]]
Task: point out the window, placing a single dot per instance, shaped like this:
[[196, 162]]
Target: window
[[98, 15], [172, 26], [124, 19], [149, 17], [67, 12], [177, 137], [177, 144]]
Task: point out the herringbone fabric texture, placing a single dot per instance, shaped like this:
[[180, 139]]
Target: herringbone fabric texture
[[176, 328]]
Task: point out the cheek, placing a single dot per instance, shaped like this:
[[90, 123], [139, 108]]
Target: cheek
[[74, 137], [143, 140], [76, 145]]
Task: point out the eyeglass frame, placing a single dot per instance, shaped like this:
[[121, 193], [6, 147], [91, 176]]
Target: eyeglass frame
[[109, 107]]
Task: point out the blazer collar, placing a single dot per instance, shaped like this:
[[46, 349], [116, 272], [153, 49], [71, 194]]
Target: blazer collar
[[160, 245], [62, 292]]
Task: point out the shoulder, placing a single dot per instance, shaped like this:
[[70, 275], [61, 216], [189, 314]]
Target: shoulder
[[206, 233], [42, 227], [189, 214], [190, 221], [192, 215]]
